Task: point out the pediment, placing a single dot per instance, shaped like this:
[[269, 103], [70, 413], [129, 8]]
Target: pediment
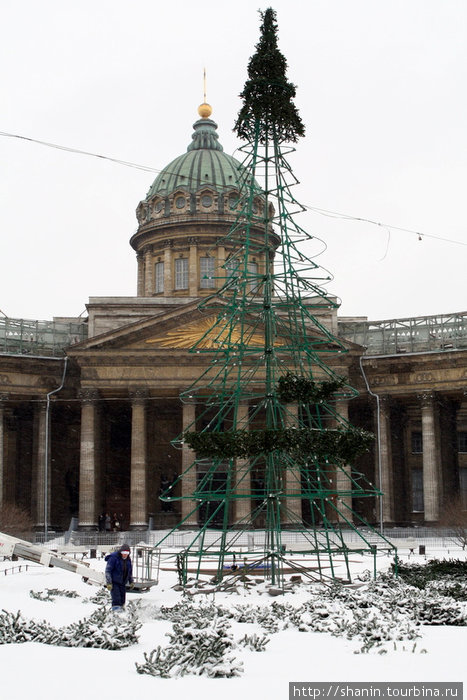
[[145, 334], [187, 327]]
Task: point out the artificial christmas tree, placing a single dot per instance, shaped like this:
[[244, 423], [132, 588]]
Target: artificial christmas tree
[[271, 450]]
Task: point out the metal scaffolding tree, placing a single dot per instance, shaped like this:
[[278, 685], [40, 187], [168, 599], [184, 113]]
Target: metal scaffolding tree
[[271, 451]]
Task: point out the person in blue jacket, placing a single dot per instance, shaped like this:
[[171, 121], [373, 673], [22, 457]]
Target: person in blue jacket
[[119, 575]]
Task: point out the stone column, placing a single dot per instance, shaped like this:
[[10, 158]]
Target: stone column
[[148, 272], [189, 480], [41, 409], [242, 505], [138, 488], [193, 275], [140, 283], [168, 273], [88, 469], [220, 271], [432, 486], [3, 398], [291, 507], [343, 481], [386, 485]]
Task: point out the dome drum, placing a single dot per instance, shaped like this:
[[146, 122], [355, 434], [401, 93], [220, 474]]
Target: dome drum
[[182, 223]]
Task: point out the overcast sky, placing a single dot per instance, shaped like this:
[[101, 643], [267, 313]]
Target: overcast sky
[[381, 88]]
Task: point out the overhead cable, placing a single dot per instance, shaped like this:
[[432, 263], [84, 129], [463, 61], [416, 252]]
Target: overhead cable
[[317, 210]]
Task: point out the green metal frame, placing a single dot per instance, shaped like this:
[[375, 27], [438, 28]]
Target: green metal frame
[[266, 325]]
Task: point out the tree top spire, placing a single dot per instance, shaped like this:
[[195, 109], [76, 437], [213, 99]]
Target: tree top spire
[[267, 94]]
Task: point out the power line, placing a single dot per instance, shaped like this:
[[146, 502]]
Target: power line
[[349, 217], [127, 163], [317, 210]]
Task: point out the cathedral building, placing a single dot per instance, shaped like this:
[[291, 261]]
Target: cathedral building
[[88, 408]]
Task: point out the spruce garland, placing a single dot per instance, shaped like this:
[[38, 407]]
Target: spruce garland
[[336, 445]]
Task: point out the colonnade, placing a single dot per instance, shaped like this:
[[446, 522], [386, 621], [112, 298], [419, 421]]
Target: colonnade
[[427, 412], [425, 407]]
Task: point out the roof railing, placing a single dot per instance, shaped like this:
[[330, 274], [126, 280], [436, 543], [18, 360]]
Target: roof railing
[[19, 336], [416, 334]]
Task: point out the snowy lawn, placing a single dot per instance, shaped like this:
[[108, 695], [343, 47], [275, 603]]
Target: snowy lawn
[[39, 671]]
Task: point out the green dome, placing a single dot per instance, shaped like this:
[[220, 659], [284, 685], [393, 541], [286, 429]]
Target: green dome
[[204, 164]]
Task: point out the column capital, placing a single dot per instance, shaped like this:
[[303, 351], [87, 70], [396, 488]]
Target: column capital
[[138, 394], [385, 402], [168, 243], [426, 398], [192, 240], [41, 405], [88, 395], [4, 397]]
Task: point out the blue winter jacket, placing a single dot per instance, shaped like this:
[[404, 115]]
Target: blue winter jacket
[[115, 567]]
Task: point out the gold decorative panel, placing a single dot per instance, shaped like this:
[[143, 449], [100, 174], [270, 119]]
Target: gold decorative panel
[[210, 335]]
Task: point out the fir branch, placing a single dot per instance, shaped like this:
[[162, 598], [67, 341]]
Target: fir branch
[[295, 388], [268, 107]]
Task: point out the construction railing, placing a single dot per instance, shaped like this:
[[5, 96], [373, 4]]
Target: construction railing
[[44, 338], [418, 334]]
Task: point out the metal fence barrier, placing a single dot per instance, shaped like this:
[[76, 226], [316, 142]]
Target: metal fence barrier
[[431, 538]]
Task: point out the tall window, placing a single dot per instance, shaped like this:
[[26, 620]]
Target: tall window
[[181, 273], [463, 486], [417, 491], [462, 441], [231, 268], [159, 286], [253, 277], [417, 442], [206, 273]]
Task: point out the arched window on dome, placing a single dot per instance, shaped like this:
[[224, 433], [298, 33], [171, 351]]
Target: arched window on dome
[[207, 200], [233, 200], [158, 207], [142, 213], [180, 202]]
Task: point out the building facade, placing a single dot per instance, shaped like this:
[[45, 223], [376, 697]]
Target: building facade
[[88, 408]]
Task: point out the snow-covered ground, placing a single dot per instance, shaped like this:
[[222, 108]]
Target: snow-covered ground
[[36, 671]]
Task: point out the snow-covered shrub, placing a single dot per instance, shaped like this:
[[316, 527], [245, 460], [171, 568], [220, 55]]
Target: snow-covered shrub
[[103, 629], [99, 598], [197, 614], [254, 642], [446, 587], [14, 629], [419, 575], [196, 650], [435, 609], [50, 594]]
